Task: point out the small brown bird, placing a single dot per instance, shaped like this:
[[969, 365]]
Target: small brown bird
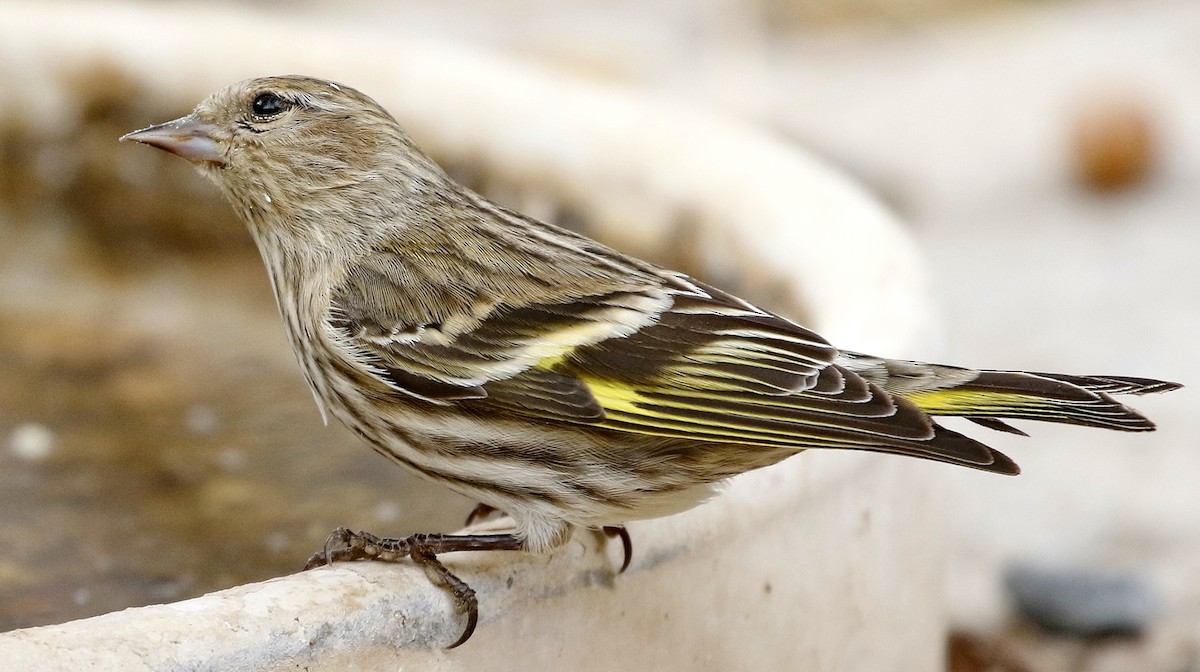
[[540, 372]]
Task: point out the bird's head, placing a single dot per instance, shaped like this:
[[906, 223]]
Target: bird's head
[[295, 152]]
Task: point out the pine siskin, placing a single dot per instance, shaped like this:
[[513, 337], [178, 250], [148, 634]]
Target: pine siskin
[[540, 372]]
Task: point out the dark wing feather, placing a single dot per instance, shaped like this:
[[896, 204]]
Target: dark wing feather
[[677, 359], [722, 371], [701, 341], [442, 341], [545, 394]]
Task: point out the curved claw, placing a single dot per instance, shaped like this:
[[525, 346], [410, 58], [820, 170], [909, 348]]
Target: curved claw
[[472, 621], [626, 542], [465, 600], [326, 555], [318, 559], [480, 512]]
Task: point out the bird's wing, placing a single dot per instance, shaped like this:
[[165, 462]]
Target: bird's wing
[[674, 331], [443, 342], [676, 359], [715, 368]]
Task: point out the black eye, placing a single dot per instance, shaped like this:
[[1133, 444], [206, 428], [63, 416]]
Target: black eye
[[268, 105]]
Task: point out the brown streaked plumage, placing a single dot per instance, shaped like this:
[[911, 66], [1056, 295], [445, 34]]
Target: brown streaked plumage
[[541, 372]]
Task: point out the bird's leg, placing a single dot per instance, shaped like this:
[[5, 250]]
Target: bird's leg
[[611, 531], [344, 545], [484, 511]]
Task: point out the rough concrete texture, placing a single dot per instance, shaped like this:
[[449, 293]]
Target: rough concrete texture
[[813, 566]]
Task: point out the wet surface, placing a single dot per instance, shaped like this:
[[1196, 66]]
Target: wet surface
[[147, 462], [156, 439]]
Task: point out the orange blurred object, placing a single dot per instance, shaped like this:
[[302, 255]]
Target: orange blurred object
[[1115, 144]]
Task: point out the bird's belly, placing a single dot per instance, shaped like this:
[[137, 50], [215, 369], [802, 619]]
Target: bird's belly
[[535, 472]]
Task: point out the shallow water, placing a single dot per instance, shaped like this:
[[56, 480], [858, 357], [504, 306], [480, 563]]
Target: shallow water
[[156, 439]]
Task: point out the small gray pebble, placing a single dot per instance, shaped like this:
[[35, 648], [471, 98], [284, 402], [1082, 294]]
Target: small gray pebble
[[1081, 602]]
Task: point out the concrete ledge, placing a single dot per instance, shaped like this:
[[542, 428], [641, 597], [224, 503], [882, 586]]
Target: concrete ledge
[[824, 562], [814, 564]]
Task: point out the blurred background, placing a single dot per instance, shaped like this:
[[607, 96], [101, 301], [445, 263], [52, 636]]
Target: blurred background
[[157, 441]]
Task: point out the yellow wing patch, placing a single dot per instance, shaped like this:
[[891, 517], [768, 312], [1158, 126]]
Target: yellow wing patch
[[964, 402], [698, 414]]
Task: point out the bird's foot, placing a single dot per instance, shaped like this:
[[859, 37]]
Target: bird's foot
[[344, 545]]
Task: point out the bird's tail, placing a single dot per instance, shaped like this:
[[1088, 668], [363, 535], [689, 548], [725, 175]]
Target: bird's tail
[[1050, 397]]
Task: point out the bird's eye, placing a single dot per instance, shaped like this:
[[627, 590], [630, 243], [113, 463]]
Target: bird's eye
[[267, 105]]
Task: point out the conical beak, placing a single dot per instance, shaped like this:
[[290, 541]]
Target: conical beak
[[187, 137]]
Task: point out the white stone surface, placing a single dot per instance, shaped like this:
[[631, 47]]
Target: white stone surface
[[819, 564]]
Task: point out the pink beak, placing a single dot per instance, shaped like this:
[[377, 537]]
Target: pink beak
[[186, 137]]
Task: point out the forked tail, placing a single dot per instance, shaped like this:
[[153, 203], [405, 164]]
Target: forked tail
[[1049, 397]]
